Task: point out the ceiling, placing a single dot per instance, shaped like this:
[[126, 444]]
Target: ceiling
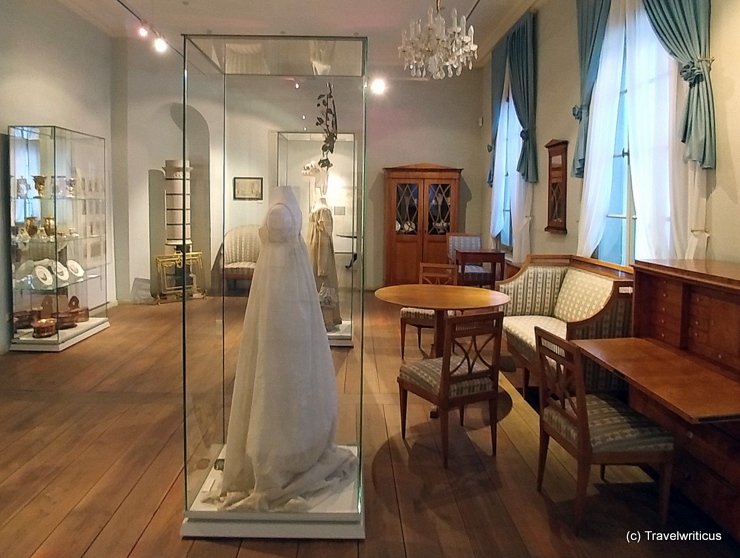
[[379, 20]]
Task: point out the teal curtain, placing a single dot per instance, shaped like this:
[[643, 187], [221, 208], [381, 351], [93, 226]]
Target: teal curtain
[[683, 28], [498, 75], [521, 50], [591, 17]]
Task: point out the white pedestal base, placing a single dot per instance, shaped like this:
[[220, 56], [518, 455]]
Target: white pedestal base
[[340, 516], [342, 336], [63, 339]]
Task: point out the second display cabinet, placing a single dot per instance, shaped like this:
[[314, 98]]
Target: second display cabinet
[[57, 237], [421, 204]]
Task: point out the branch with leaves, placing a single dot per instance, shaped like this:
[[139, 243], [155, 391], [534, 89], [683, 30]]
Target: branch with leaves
[[327, 121]]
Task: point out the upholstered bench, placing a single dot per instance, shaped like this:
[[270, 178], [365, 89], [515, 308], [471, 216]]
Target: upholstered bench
[[572, 297], [240, 251]]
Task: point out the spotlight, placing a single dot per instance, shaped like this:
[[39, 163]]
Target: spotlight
[[297, 85], [143, 31], [378, 86], [160, 45]]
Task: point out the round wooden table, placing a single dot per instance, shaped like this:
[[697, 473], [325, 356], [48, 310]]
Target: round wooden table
[[441, 298]]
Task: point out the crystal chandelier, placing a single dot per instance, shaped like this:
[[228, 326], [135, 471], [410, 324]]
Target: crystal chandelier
[[431, 50]]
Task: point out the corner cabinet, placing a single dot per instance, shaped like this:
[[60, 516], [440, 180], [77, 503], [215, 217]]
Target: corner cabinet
[[57, 237], [422, 206]]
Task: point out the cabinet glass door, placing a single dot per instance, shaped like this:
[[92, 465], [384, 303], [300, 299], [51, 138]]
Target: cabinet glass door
[[407, 208], [439, 203]]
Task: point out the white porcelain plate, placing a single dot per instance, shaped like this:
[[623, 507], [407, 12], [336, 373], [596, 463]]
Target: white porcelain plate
[[75, 269], [42, 278], [60, 271]]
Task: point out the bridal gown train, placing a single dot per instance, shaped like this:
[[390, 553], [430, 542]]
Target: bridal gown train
[[280, 446]]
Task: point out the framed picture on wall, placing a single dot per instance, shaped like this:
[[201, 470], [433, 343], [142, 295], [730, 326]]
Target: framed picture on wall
[[247, 188]]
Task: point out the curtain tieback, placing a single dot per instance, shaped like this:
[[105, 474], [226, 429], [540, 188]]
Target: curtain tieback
[[579, 111], [490, 148], [693, 71], [524, 134]]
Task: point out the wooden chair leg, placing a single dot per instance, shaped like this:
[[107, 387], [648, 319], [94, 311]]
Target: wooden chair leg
[[525, 382], [602, 472], [462, 415], [544, 443], [403, 397], [403, 338], [444, 416], [493, 419], [664, 491], [418, 337], [584, 468]]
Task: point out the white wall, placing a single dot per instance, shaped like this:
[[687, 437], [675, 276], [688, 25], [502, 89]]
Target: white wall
[[558, 90], [55, 69], [146, 101], [723, 208], [425, 122]]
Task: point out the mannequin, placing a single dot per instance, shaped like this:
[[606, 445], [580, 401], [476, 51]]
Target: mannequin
[[323, 264], [280, 446]]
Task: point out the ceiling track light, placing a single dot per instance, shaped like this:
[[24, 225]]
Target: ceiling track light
[[160, 45]]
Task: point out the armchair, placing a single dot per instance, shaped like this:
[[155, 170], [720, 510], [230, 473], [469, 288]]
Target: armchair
[[596, 430], [435, 274], [239, 253], [453, 381]]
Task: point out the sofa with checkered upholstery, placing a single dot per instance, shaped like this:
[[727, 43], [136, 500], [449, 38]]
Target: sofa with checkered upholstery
[[572, 297], [240, 250]]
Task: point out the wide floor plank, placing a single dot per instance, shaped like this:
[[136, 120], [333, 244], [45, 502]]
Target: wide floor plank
[[91, 456]]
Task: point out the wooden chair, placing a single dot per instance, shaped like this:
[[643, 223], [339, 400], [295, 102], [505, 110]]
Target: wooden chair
[[475, 267], [595, 429], [455, 380], [434, 274]]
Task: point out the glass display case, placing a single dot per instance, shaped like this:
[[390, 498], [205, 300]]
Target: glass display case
[[274, 124], [58, 227], [298, 153]]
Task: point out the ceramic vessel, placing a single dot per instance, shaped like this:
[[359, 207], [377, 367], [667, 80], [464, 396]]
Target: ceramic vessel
[[40, 181], [50, 226], [32, 225]]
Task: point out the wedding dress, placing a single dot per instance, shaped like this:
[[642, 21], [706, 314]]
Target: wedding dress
[[323, 263], [280, 446]]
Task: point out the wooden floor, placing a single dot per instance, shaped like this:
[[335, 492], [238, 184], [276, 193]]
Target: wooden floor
[[91, 462]]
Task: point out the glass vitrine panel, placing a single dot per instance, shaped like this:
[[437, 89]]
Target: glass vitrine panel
[[58, 230], [251, 135]]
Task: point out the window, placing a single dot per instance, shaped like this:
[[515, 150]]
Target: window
[[618, 242], [638, 219], [508, 148]]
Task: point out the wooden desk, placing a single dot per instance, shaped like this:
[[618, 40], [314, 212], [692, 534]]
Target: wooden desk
[[441, 298], [496, 258], [692, 388], [684, 373]]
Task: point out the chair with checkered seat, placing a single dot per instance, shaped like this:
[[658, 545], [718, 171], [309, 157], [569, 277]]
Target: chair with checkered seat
[[595, 429], [420, 318], [475, 267], [454, 380]]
